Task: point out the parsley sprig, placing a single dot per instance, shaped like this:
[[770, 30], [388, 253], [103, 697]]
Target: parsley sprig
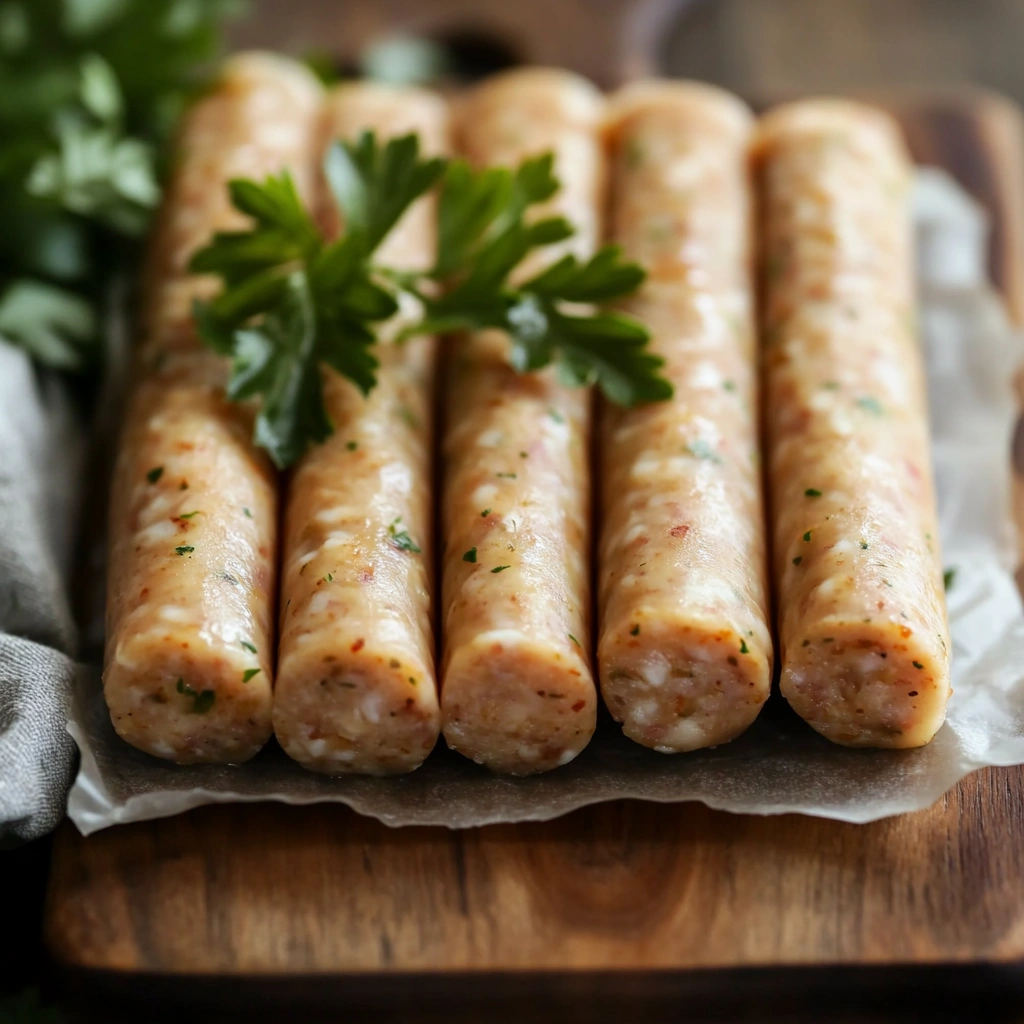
[[89, 93], [293, 302]]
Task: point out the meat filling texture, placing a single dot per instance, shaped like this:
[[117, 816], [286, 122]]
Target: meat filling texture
[[862, 615], [518, 692], [684, 649], [356, 689], [189, 661]]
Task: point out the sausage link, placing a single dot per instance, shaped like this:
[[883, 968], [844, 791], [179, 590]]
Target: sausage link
[[863, 631], [193, 515], [684, 649], [356, 688], [517, 689]]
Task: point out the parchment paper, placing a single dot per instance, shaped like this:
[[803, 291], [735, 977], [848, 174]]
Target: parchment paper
[[780, 765]]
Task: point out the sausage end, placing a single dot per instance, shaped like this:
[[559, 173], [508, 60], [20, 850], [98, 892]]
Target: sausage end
[[517, 708], [361, 712], [868, 685], [680, 685], [197, 708]]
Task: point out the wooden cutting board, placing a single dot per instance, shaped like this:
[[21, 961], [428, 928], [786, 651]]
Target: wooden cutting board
[[620, 911]]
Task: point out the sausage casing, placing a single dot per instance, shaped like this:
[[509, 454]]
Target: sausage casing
[[356, 688], [862, 623], [517, 690], [193, 515], [684, 648]]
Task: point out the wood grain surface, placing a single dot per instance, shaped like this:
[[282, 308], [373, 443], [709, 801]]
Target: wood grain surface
[[627, 886], [623, 905]]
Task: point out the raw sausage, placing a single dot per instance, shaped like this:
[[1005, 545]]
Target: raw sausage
[[356, 689], [517, 690], [863, 631], [684, 649], [193, 515]]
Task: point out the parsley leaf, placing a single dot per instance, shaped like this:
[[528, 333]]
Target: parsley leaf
[[92, 169], [401, 539], [292, 303], [89, 92], [601, 278], [483, 237], [53, 325], [283, 232], [202, 701], [375, 185]]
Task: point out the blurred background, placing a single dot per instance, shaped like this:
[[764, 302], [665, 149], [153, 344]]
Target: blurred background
[[90, 91], [763, 49]]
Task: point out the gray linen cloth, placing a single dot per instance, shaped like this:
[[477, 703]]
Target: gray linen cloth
[[42, 445]]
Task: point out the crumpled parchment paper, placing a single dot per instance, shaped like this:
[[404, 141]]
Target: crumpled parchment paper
[[780, 765]]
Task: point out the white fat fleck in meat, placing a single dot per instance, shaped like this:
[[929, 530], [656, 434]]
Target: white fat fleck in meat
[[163, 530], [567, 756], [490, 438], [510, 522], [319, 602], [175, 613], [835, 405], [637, 530], [306, 558], [337, 539], [841, 422], [874, 466], [372, 706], [509, 637], [824, 399], [630, 580], [396, 479], [705, 374], [315, 748], [343, 755], [710, 312], [158, 506], [828, 586], [162, 749], [844, 547], [528, 753], [866, 663], [644, 711], [686, 733], [656, 669], [338, 513], [653, 464], [276, 133], [122, 659], [700, 653], [557, 429], [390, 629], [684, 174], [484, 494], [707, 592]]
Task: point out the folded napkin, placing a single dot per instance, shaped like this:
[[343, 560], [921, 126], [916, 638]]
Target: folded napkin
[[42, 446]]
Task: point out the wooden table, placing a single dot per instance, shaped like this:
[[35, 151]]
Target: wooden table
[[623, 911]]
